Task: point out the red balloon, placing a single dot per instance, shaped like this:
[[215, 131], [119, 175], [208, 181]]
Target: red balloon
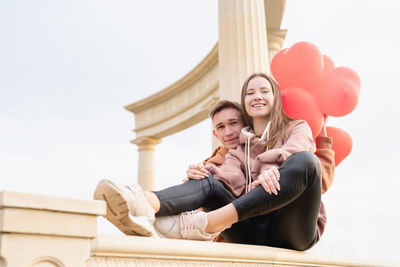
[[278, 67], [341, 143], [299, 66], [338, 92], [328, 65], [300, 104]]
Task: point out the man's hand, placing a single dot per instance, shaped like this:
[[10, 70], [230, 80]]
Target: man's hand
[[269, 180], [196, 171], [323, 130]]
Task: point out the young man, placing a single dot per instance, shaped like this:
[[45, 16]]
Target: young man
[[227, 122], [141, 206]]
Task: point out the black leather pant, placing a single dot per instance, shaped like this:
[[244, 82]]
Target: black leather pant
[[287, 220]]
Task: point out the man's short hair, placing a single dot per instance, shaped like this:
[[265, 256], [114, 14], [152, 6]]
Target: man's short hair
[[224, 104]]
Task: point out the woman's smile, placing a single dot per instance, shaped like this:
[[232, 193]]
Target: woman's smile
[[258, 105], [259, 97]]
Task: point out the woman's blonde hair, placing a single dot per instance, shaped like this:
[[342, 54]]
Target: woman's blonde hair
[[280, 122]]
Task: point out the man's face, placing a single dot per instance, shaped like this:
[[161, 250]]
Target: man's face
[[227, 125]]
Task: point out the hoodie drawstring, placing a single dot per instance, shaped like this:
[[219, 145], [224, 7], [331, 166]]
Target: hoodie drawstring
[[264, 136], [248, 163]]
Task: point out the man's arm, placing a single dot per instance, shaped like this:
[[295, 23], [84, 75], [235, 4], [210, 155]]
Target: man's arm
[[197, 171], [326, 156]]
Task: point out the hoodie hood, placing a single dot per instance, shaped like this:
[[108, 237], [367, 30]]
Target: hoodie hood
[[248, 132]]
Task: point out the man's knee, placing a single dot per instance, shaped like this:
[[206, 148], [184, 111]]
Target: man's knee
[[212, 182]]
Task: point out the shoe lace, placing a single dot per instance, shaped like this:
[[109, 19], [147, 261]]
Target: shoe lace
[[188, 221]]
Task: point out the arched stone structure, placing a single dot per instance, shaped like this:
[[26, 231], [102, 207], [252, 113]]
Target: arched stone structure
[[249, 35]]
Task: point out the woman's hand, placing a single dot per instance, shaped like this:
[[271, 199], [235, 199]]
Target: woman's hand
[[196, 171], [269, 180]]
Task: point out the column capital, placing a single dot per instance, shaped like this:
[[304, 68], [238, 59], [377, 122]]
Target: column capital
[[146, 142], [275, 40], [146, 150]]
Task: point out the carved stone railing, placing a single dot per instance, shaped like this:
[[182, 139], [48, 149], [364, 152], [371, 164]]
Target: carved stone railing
[[143, 251], [47, 231]]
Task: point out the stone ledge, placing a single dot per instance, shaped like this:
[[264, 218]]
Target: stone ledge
[[11, 199], [112, 249]]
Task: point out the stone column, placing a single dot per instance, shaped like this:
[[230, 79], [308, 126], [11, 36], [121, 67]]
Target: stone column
[[243, 47], [275, 41], [38, 230], [146, 175]]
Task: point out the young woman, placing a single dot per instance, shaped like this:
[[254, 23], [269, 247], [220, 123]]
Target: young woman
[[267, 192]]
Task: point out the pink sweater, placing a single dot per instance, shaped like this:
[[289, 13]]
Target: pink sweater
[[234, 171]]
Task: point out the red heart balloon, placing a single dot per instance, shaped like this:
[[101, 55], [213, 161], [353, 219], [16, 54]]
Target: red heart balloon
[[299, 66], [338, 92], [341, 143], [300, 104], [328, 65], [278, 67]]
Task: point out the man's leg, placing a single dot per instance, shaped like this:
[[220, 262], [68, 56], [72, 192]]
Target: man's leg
[[208, 193], [128, 207]]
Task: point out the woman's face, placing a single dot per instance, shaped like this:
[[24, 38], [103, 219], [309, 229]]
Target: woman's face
[[259, 98]]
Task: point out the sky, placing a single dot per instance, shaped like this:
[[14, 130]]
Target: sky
[[68, 69]]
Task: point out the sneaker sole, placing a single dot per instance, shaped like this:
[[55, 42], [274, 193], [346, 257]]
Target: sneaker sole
[[118, 211]]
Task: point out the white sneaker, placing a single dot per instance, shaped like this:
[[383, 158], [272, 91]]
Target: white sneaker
[[127, 208], [187, 225]]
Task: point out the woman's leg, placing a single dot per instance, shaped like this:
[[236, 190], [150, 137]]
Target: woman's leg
[[300, 175], [253, 231], [298, 203], [182, 203], [295, 225]]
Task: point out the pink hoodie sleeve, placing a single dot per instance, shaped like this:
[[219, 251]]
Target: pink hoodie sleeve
[[232, 169], [299, 139]]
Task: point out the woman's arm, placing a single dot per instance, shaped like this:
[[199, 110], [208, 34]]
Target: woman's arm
[[299, 139]]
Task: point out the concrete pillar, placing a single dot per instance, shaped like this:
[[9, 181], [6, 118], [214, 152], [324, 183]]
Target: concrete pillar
[[38, 230], [275, 41], [146, 175], [243, 47]]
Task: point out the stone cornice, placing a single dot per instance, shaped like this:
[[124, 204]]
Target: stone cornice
[[181, 105], [194, 75]]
